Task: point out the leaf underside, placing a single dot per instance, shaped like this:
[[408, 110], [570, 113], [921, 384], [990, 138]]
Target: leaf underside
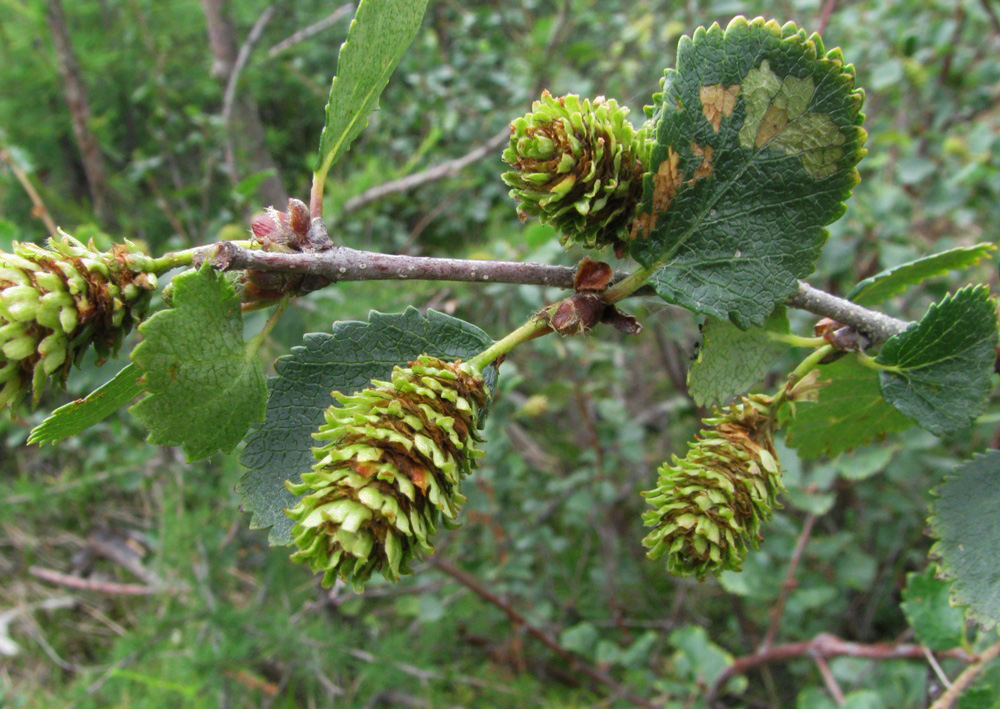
[[378, 37], [731, 360], [206, 386], [850, 413], [965, 521], [344, 360], [77, 416], [944, 362], [757, 138], [892, 281]]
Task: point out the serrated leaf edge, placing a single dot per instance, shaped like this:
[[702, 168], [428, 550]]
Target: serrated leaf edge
[[956, 596]]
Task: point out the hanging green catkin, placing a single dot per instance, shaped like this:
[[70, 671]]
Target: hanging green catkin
[[709, 506], [56, 302], [388, 472], [578, 166]]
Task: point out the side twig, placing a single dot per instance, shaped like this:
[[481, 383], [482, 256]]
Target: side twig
[[242, 57], [969, 674], [37, 205], [789, 584], [346, 264], [441, 171], [82, 584], [827, 646], [306, 32], [575, 662]]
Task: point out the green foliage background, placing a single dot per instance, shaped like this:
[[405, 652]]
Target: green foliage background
[[579, 427]]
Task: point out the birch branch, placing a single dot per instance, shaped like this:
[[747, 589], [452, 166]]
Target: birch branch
[[345, 264]]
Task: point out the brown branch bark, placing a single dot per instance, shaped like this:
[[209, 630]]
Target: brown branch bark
[[576, 663], [76, 98], [248, 126], [345, 264], [82, 584], [826, 646]]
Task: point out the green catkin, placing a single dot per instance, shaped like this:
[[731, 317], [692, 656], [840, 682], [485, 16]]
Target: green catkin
[[56, 302], [387, 472], [709, 506], [578, 166]]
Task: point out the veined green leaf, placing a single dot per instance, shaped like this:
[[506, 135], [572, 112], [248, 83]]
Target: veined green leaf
[[730, 360], [344, 360], [965, 521], [937, 624], [77, 416], [379, 35], [892, 281], [941, 366], [850, 413], [206, 386], [757, 138]]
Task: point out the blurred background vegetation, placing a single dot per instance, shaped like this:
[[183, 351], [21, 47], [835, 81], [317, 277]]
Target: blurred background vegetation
[[552, 527]]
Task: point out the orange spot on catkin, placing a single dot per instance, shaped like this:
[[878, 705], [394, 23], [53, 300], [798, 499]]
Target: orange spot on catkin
[[718, 101]]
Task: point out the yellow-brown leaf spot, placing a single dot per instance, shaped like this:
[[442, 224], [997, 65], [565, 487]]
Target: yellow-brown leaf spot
[[705, 169], [777, 117], [718, 101], [666, 181]]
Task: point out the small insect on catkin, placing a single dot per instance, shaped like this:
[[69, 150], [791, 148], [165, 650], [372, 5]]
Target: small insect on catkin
[[388, 472], [709, 506]]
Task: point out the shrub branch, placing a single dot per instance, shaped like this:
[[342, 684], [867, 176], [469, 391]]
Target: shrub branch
[[345, 264]]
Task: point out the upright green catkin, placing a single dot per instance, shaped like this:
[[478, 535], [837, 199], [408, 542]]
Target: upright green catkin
[[388, 472], [709, 506], [578, 166], [56, 302]]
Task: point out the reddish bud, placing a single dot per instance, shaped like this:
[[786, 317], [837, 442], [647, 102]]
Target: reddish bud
[[622, 322], [592, 276], [577, 314], [263, 226], [299, 219]]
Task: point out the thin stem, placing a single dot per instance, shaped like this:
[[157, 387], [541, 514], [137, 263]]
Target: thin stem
[[535, 327], [627, 286], [805, 366], [950, 698], [255, 343], [316, 193], [872, 363], [39, 206], [789, 584], [187, 257], [795, 340], [810, 363]]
